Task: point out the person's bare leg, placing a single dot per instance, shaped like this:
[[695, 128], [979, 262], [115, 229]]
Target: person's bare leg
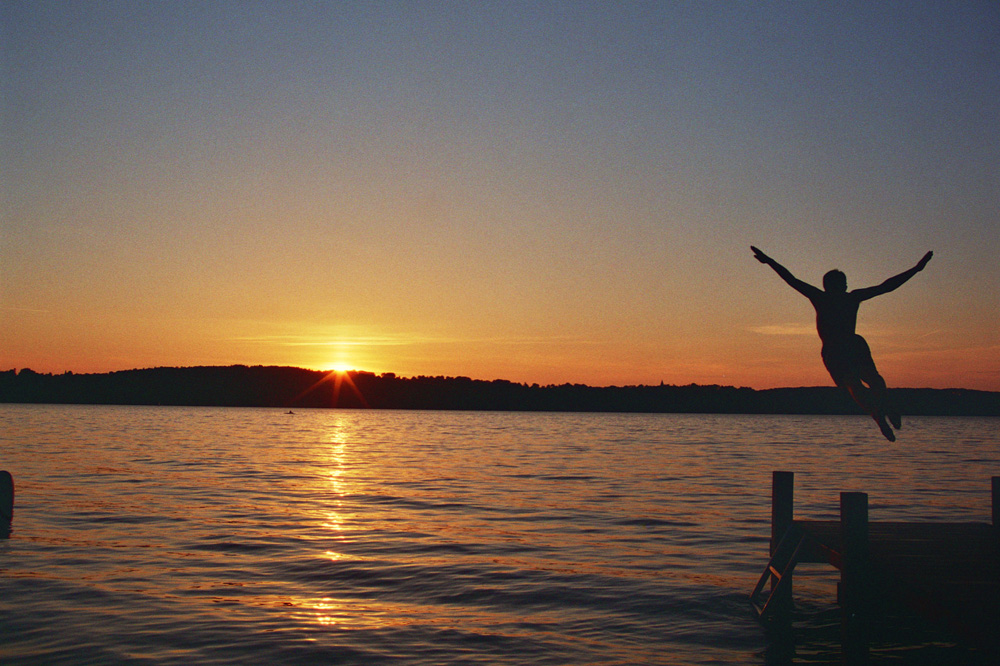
[[861, 396], [880, 396]]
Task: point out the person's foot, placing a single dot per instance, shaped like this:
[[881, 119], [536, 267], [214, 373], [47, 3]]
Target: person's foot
[[886, 430], [894, 419]]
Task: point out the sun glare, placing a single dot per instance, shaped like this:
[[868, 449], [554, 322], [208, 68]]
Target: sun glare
[[340, 367]]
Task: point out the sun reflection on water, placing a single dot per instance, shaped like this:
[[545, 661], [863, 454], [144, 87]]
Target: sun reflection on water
[[337, 437]]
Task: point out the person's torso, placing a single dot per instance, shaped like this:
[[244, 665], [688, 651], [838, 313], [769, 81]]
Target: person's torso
[[836, 317]]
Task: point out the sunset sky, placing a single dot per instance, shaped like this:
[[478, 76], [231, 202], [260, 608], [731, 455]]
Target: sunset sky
[[542, 192]]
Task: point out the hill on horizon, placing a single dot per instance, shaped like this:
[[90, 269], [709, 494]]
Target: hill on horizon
[[288, 387]]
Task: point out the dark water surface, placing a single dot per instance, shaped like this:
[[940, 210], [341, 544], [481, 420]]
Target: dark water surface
[[201, 535]]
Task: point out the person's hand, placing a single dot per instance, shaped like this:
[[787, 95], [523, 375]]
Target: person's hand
[[761, 257], [924, 260]]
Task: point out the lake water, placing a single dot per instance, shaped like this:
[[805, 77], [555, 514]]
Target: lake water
[[198, 535]]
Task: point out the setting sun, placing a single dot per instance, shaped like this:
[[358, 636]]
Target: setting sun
[[340, 367]]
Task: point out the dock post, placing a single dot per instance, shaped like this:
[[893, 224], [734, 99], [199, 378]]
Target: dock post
[[854, 576], [6, 503], [996, 502], [782, 509], [782, 501]]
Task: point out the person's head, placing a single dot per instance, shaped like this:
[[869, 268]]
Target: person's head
[[835, 281]]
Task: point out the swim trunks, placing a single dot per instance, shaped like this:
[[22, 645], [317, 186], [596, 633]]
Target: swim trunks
[[850, 361]]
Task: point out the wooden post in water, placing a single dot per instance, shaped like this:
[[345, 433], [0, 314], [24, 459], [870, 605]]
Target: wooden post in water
[[854, 577], [996, 502], [6, 503], [782, 509], [782, 501]]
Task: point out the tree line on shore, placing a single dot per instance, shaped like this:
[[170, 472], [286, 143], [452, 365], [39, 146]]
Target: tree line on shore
[[287, 387]]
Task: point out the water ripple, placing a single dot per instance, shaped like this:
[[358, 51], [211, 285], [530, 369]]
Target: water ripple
[[219, 536]]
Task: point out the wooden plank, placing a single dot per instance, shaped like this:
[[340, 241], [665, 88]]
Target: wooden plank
[[941, 540]]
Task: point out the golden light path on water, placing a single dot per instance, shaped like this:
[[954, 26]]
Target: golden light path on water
[[327, 610]]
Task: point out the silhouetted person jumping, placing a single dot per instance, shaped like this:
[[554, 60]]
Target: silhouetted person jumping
[[846, 354]]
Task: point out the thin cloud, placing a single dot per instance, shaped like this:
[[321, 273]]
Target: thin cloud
[[374, 341], [784, 329], [16, 308], [321, 341]]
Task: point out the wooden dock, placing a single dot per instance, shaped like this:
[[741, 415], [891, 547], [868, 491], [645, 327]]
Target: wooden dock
[[949, 573]]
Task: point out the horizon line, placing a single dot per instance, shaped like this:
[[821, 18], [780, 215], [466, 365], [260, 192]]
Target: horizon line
[[18, 371]]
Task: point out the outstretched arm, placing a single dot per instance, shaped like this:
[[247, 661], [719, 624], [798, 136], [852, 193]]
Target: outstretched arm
[[895, 282], [798, 285]]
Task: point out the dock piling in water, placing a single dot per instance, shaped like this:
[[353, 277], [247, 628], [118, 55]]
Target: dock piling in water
[[782, 506], [996, 502], [854, 577], [6, 502], [782, 502]]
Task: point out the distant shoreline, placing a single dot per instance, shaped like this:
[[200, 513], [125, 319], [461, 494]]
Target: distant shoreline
[[288, 387]]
